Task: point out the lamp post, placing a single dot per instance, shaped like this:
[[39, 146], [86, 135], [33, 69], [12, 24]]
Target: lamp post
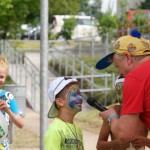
[[43, 69]]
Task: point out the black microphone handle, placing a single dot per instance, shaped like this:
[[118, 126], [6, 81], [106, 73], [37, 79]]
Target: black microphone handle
[[100, 107]]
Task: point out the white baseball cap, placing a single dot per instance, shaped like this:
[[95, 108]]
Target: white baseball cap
[[120, 79], [56, 86]]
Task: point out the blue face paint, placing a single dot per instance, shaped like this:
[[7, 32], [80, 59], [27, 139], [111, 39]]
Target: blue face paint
[[75, 99]]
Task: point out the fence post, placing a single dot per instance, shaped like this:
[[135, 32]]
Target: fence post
[[106, 86], [82, 73], [106, 44], [60, 62], [113, 80], [92, 80], [73, 65], [80, 48], [128, 30], [92, 47], [66, 65]]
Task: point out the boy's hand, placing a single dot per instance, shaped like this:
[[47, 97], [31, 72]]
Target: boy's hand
[[3, 106], [139, 141], [122, 145]]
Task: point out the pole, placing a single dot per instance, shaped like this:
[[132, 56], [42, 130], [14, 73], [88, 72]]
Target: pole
[[43, 69]]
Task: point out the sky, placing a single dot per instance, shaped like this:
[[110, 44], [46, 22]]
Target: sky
[[109, 3], [106, 4]]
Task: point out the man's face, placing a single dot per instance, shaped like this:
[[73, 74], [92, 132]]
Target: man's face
[[120, 62]]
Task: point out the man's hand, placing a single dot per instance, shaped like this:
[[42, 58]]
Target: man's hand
[[3, 106], [105, 114]]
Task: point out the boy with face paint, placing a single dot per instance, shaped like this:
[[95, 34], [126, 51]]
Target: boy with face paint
[[66, 99]]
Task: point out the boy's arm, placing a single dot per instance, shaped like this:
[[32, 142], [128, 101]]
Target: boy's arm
[[104, 144], [16, 118]]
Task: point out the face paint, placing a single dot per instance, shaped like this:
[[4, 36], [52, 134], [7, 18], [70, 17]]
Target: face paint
[[75, 98]]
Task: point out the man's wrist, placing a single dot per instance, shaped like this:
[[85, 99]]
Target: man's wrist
[[112, 116]]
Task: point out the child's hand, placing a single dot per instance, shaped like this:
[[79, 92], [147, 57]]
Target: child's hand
[[139, 141], [3, 106], [122, 145]]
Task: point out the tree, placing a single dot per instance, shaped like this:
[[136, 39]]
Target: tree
[[13, 13], [145, 4], [64, 7], [33, 16], [122, 14], [91, 9], [140, 19], [84, 7], [107, 23], [69, 25], [95, 8]]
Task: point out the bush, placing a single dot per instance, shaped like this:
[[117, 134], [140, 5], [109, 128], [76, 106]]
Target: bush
[[69, 25]]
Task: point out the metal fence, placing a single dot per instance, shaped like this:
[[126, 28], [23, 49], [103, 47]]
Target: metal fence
[[24, 73], [63, 59]]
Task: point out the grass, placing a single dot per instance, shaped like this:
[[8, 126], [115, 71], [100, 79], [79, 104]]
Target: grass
[[24, 139], [27, 44]]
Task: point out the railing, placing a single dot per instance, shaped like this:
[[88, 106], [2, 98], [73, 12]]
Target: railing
[[23, 72], [67, 64]]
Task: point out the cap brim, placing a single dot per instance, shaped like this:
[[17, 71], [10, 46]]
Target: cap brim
[[105, 62], [53, 112]]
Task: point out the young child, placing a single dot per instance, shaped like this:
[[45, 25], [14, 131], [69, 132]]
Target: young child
[[66, 99], [105, 132], [8, 105]]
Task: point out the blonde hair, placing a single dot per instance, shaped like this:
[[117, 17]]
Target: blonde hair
[[4, 63]]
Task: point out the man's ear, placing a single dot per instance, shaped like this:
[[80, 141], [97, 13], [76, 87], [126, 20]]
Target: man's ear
[[128, 57], [59, 102]]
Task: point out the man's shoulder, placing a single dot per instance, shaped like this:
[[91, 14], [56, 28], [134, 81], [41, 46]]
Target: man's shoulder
[[141, 70]]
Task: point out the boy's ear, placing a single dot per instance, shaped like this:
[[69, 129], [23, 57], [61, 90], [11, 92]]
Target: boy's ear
[[59, 102]]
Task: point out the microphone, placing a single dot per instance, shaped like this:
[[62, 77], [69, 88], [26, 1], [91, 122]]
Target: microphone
[[92, 102]]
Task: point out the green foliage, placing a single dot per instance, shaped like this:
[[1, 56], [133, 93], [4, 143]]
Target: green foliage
[[145, 4], [122, 16], [85, 7], [13, 13], [107, 23], [63, 7], [93, 10], [33, 16], [140, 19], [96, 8], [7, 81], [69, 25]]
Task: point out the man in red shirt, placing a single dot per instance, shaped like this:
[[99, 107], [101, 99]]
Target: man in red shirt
[[131, 55]]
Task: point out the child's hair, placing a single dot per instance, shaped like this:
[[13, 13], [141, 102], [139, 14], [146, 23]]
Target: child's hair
[[4, 63], [61, 93]]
